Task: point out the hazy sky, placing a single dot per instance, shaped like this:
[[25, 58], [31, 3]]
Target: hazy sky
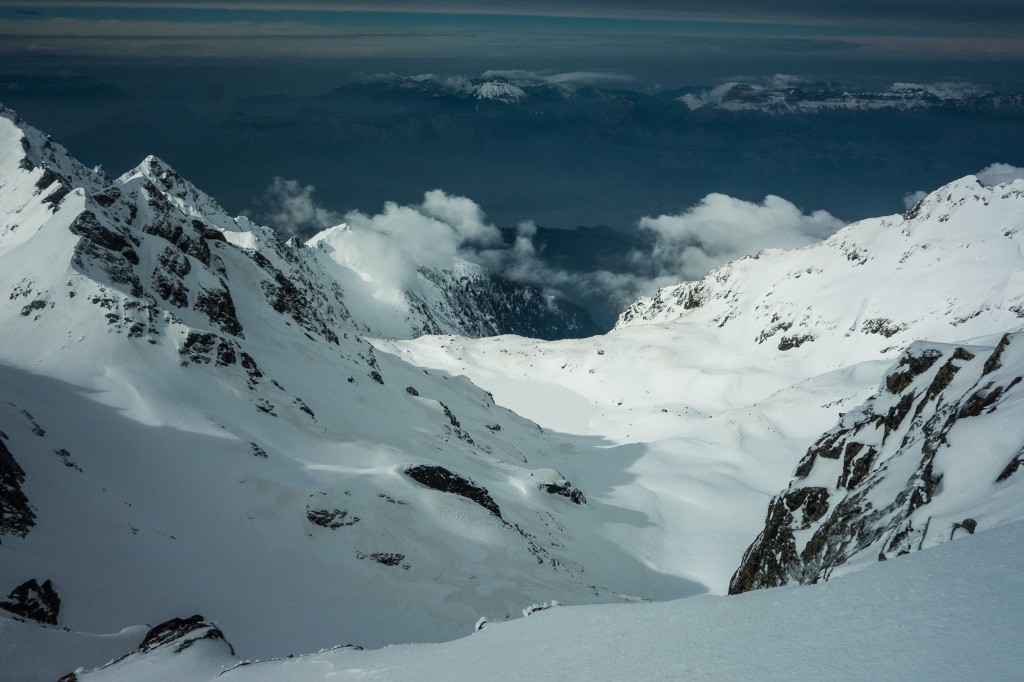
[[657, 42]]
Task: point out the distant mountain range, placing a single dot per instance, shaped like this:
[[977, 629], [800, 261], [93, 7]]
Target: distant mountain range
[[558, 151]]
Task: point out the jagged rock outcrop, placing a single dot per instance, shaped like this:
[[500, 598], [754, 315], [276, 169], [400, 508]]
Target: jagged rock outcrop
[[182, 633], [446, 481], [16, 515], [34, 601], [485, 304], [905, 470]]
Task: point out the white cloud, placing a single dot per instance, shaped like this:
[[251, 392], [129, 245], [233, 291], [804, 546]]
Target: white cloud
[[721, 228], [385, 249], [999, 173], [523, 77], [911, 199], [291, 208]]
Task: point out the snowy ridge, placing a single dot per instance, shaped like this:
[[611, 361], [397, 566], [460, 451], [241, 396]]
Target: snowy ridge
[[826, 302]]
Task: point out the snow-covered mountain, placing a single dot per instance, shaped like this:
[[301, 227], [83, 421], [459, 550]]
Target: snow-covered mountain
[[192, 412], [200, 418], [788, 95], [463, 299], [871, 288]]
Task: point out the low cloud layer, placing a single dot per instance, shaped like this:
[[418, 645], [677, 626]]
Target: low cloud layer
[[289, 207], [386, 248], [990, 176], [999, 173], [721, 228]]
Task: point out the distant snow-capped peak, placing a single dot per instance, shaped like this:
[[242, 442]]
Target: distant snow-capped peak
[[789, 94], [502, 91]]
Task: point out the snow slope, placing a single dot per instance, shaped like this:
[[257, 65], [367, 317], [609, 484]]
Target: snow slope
[[951, 612]]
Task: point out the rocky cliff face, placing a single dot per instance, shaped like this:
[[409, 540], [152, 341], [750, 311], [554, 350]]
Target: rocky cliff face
[[934, 453]]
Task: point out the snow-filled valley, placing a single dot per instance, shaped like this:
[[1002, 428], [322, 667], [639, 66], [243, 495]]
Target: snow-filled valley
[[201, 418]]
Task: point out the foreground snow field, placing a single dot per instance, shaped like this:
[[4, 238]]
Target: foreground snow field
[[950, 612]]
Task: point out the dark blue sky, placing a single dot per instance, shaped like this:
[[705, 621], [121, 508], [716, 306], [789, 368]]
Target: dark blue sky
[[656, 42]]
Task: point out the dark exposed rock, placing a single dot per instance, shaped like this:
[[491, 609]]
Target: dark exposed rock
[[856, 465], [109, 250], [32, 307], [175, 632], [34, 601], [490, 304], [794, 341], [981, 400], [460, 433], [304, 407], [770, 560], [565, 489], [330, 518], [217, 305], [534, 608], [175, 262], [943, 378], [439, 478], [773, 329], [911, 366], [386, 559], [411, 391], [883, 326], [451, 417], [286, 297], [897, 413], [170, 289], [968, 524], [865, 514], [204, 348], [995, 361], [16, 515], [828, 446], [1011, 467], [215, 235]]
